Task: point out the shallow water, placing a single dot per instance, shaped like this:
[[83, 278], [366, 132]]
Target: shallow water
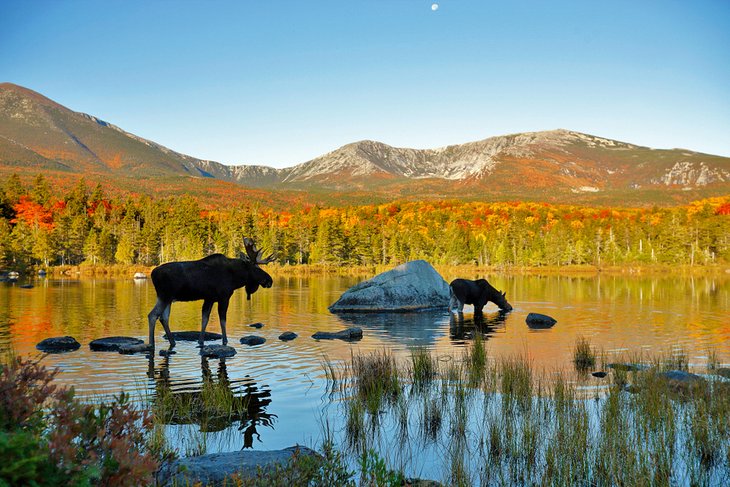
[[285, 380]]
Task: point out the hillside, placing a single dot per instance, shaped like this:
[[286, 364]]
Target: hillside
[[39, 135]]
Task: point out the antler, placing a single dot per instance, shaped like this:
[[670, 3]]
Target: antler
[[254, 254]]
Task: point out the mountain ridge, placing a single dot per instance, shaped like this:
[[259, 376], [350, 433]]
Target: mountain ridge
[[37, 133]]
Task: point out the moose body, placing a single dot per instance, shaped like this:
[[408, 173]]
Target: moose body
[[212, 279], [478, 293]]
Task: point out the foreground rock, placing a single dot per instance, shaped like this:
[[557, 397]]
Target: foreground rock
[[138, 348], [214, 469], [113, 344], [412, 286], [253, 340], [193, 336], [287, 336], [58, 344], [349, 335], [537, 320], [217, 351]]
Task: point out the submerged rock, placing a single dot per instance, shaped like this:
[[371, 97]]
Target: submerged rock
[[287, 336], [412, 286], [256, 325], [217, 351], [537, 320], [58, 344], [349, 334], [26, 286], [214, 469], [138, 348], [193, 336], [628, 367], [252, 340], [113, 344]]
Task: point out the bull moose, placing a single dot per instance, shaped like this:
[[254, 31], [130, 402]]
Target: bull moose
[[478, 293], [212, 279]]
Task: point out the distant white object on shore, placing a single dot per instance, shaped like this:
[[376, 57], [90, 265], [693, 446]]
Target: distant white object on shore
[[140, 275], [13, 275]]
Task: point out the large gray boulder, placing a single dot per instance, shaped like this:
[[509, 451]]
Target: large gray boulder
[[413, 286], [214, 469]]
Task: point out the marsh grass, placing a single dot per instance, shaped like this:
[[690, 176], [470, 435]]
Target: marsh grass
[[584, 356], [498, 421]]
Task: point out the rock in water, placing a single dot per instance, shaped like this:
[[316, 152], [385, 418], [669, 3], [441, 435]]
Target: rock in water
[[252, 340], [113, 344], [287, 336], [138, 348], [58, 344], [536, 320], [217, 351], [216, 468], [413, 286], [193, 336], [256, 325], [349, 334]]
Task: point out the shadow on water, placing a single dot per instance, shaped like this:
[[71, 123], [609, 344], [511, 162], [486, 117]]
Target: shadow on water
[[420, 329], [214, 404], [462, 328]]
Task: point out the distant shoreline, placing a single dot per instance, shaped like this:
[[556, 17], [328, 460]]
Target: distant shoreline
[[306, 270]]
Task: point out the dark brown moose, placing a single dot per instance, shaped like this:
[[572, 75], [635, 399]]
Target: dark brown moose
[[478, 293], [212, 279]]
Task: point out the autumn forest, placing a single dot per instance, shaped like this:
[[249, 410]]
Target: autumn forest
[[40, 228]]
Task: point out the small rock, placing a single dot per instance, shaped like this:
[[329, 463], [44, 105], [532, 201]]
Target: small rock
[[252, 340], [58, 344], [166, 352], [217, 351], [288, 336], [193, 336], [138, 348], [113, 344], [600, 374], [26, 286], [256, 325], [681, 376], [349, 334], [723, 372], [536, 320]]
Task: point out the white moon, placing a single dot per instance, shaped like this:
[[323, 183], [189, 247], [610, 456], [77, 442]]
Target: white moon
[[434, 6]]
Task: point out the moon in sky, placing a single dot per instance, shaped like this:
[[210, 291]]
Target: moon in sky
[[434, 6]]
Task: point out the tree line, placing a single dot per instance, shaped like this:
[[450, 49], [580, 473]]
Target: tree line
[[40, 226]]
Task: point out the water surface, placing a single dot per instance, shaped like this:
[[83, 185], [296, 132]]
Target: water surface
[[284, 381]]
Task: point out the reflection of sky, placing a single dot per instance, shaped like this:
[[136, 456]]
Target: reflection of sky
[[614, 313]]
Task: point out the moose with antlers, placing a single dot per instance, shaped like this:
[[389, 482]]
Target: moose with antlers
[[212, 279]]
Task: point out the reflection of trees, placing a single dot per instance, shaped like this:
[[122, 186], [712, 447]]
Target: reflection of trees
[[215, 403], [483, 324]]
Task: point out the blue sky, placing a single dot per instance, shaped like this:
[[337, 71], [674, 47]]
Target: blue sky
[[280, 82]]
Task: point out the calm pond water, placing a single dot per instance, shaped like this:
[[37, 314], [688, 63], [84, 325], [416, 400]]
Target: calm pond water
[[285, 380]]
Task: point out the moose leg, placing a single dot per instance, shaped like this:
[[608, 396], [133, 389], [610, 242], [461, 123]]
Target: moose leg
[[207, 307], [165, 320], [222, 310], [153, 316]]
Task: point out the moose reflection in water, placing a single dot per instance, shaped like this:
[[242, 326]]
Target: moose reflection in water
[[214, 404], [212, 279], [461, 329], [478, 293]]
